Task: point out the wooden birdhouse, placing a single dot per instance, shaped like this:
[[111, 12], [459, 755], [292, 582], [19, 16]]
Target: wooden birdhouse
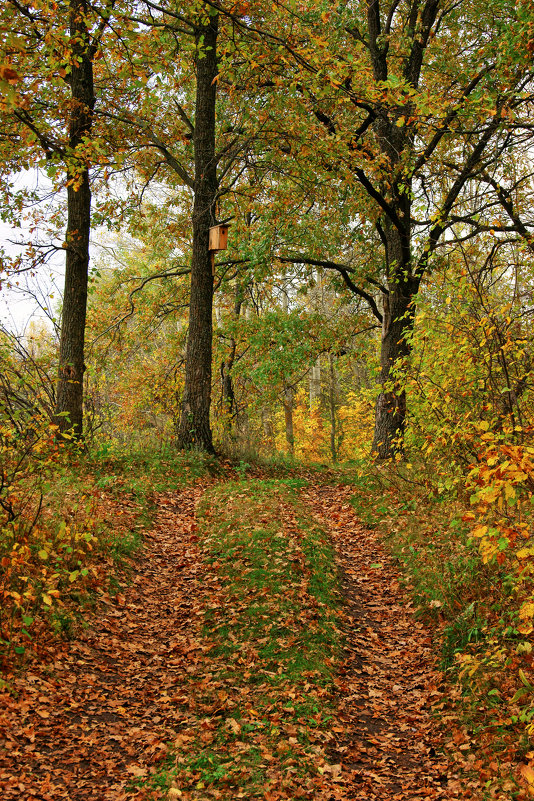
[[219, 237]]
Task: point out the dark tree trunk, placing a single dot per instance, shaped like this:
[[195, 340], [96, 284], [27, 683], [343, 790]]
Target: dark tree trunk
[[398, 303], [69, 404], [395, 141], [390, 412], [397, 327], [194, 429]]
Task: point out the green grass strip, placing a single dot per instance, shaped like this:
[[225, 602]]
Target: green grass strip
[[262, 698]]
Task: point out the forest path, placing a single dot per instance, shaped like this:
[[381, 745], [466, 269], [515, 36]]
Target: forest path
[[95, 722], [96, 719], [388, 681]]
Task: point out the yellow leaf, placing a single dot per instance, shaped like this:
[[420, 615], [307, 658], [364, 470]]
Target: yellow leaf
[[509, 491], [527, 773], [47, 599], [527, 611], [480, 531]]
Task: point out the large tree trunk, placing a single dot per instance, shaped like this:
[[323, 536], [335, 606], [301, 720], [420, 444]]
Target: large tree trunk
[[194, 429], [69, 404], [397, 327], [390, 412], [397, 142]]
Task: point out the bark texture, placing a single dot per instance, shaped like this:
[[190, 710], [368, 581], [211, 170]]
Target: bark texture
[[194, 430], [69, 403], [390, 411], [402, 275]]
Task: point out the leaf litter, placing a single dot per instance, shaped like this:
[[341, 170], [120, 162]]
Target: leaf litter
[[391, 746], [120, 712]]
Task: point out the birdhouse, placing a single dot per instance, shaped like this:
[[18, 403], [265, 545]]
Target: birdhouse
[[219, 237]]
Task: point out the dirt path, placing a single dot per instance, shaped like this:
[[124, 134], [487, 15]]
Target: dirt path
[[101, 714], [390, 751]]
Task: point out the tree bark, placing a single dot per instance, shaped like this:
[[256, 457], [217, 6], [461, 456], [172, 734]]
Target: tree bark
[[194, 430], [69, 403], [289, 395], [396, 223], [390, 410], [395, 347], [315, 382], [332, 407]]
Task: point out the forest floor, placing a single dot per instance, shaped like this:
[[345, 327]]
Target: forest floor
[[109, 712]]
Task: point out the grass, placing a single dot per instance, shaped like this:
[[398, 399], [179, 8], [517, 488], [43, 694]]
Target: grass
[[270, 639]]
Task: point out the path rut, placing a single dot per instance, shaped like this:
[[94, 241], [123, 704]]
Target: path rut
[[391, 750]]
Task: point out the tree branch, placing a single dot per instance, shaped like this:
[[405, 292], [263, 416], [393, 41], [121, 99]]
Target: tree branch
[[343, 270]]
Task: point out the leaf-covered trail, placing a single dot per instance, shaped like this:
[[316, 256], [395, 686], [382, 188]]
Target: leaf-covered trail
[[391, 748], [101, 714], [98, 718]]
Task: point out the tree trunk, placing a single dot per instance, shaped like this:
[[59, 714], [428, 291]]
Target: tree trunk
[[398, 316], [315, 382], [332, 407], [289, 395], [69, 403], [390, 411], [194, 429], [228, 402], [268, 429]]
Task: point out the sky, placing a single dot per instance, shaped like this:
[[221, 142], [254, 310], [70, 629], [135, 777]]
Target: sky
[[17, 306], [23, 303]]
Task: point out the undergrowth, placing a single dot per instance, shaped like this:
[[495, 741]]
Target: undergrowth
[[476, 607], [70, 521]]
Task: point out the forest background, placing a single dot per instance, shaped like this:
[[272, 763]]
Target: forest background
[[372, 310]]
